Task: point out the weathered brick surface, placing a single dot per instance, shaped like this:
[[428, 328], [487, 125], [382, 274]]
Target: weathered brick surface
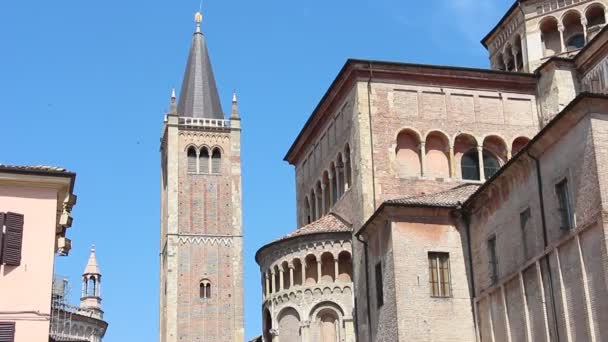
[[206, 245]]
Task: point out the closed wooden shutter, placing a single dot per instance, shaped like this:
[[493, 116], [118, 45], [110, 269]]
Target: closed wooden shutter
[[191, 160], [13, 239], [7, 331], [203, 161], [216, 161], [1, 235]]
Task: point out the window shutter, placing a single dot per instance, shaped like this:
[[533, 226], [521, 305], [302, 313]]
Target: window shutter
[[216, 162], [7, 331], [1, 235], [13, 239]]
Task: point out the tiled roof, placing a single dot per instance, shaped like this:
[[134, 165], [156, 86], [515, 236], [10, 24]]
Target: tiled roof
[[330, 223], [444, 199], [33, 168]]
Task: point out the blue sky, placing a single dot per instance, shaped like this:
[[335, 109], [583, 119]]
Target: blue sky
[[85, 84]]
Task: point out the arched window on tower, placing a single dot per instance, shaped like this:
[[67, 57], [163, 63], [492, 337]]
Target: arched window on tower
[[470, 165], [348, 168], [203, 160], [491, 165], [575, 42], [205, 289], [216, 161], [191, 160]]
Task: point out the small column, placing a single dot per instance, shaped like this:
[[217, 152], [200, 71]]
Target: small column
[[561, 37], [423, 158], [584, 23], [281, 279], [349, 329], [291, 283], [275, 335], [323, 189], [313, 206], [336, 269], [452, 163], [305, 329], [319, 271], [331, 188], [482, 176], [266, 278], [273, 282], [505, 61], [514, 54]]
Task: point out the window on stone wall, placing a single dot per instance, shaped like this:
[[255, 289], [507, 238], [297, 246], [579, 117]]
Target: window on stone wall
[[564, 208], [439, 274], [203, 161], [379, 285], [216, 161], [493, 260], [205, 289], [191, 160]]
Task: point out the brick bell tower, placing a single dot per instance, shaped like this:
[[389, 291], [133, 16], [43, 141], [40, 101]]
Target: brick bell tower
[[201, 248]]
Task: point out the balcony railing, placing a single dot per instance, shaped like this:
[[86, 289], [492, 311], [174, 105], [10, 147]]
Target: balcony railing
[[203, 123]]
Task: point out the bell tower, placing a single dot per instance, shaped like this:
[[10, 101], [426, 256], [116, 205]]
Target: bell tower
[[201, 273], [91, 286]]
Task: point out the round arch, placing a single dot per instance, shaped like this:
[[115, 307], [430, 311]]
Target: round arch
[[410, 130]]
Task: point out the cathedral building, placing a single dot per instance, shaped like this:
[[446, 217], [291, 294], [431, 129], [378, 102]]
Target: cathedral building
[[475, 197], [201, 272]]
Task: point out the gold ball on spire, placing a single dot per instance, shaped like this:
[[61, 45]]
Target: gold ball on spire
[[198, 18]]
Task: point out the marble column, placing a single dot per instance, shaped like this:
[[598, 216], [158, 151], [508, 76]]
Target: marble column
[[452, 163], [423, 158], [561, 37], [291, 269], [482, 176], [319, 268], [336, 269], [273, 283], [281, 279]]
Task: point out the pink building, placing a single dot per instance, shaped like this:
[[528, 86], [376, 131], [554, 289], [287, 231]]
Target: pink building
[[35, 205]]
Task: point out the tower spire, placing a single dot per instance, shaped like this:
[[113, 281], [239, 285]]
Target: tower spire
[[199, 96], [234, 114], [91, 286]]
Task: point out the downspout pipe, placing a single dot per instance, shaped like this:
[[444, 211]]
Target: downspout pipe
[[545, 240], [367, 296]]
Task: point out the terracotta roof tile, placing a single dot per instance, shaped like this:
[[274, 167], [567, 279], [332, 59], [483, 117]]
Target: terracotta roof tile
[[33, 168], [330, 223], [445, 199]]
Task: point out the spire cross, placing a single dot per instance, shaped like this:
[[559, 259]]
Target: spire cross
[[198, 19]]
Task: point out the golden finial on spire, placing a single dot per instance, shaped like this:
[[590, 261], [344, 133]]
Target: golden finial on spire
[[198, 19]]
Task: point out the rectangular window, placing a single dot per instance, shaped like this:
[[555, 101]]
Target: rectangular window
[[563, 201], [524, 218], [493, 260], [7, 331], [379, 285], [439, 274]]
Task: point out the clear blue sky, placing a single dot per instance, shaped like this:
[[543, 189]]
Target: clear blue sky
[[84, 85]]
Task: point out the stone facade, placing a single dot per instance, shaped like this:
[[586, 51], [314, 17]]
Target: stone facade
[[533, 31], [201, 295], [307, 284], [409, 130]]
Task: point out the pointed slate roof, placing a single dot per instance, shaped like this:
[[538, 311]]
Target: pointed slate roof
[[199, 97], [92, 266]]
